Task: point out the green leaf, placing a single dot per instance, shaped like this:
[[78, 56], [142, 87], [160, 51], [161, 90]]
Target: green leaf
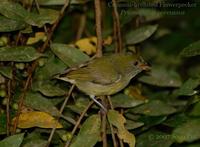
[[89, 133], [150, 121], [80, 105], [46, 16], [130, 125], [3, 123], [34, 139], [140, 34], [13, 10], [176, 120], [49, 89], [6, 71], [52, 66], [187, 132], [191, 50], [194, 145], [154, 139], [19, 54], [162, 77], [154, 108], [124, 101], [195, 110], [12, 141], [188, 87], [16, 12], [194, 70], [148, 14], [36, 143], [69, 55], [9, 25], [118, 120], [60, 2], [39, 102]]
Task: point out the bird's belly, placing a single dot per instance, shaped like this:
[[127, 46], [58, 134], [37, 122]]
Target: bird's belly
[[99, 90]]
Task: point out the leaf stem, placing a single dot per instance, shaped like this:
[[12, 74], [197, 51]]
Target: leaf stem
[[78, 123], [61, 111]]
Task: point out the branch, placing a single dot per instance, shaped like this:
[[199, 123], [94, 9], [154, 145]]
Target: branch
[[115, 38], [82, 25], [61, 111], [49, 36], [9, 86], [104, 122], [34, 64], [117, 25], [97, 5], [78, 123], [111, 127]]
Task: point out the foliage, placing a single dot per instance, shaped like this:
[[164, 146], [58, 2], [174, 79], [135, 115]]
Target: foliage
[[159, 108]]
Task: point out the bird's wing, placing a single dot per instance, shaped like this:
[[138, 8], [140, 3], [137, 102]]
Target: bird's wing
[[99, 71]]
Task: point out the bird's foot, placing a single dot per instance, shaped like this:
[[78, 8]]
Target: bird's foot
[[98, 103]]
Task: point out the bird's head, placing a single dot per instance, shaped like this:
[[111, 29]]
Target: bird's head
[[130, 65]]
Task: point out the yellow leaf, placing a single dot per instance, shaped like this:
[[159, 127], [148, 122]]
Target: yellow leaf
[[135, 92], [37, 119], [39, 36], [88, 45], [107, 41], [117, 120]]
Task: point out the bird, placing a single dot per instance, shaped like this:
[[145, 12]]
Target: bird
[[105, 75]]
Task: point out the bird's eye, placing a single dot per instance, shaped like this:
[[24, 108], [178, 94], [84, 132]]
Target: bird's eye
[[136, 63]]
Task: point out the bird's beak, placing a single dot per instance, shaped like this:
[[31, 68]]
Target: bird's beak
[[144, 66]]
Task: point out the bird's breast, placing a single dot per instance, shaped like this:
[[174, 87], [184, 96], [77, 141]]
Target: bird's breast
[[91, 88]]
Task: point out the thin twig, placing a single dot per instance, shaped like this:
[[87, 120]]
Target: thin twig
[[113, 135], [115, 36], [69, 119], [120, 140], [116, 19], [8, 107], [111, 127], [19, 35], [17, 41], [18, 38], [20, 104], [81, 26], [104, 135], [99, 53], [121, 143], [78, 123], [110, 102], [137, 21], [103, 122], [61, 111], [49, 36], [34, 64], [38, 9], [97, 5]]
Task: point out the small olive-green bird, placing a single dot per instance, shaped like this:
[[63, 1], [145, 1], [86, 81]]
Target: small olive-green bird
[[106, 75]]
